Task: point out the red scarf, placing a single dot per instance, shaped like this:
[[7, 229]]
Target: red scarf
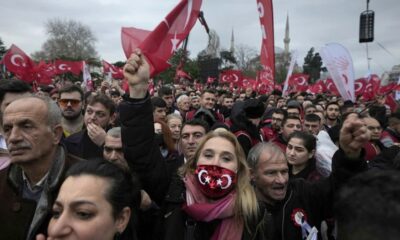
[[201, 208]]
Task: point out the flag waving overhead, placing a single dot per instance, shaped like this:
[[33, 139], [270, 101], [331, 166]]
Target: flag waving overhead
[[159, 45], [116, 72], [340, 66], [17, 62], [267, 56]]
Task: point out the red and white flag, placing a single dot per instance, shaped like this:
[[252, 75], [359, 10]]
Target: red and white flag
[[116, 72], [340, 65], [299, 82], [231, 76], [159, 45], [74, 67], [360, 86], [87, 82], [19, 63], [267, 56], [317, 88], [331, 87]]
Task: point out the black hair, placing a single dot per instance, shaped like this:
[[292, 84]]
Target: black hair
[[164, 90], [368, 207], [158, 102], [280, 111], [106, 101], [332, 103], [211, 91], [309, 141], [70, 89], [122, 191], [289, 117], [13, 86], [312, 118], [197, 122]]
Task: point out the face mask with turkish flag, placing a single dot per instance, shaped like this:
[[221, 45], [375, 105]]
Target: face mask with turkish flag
[[215, 181], [159, 45]]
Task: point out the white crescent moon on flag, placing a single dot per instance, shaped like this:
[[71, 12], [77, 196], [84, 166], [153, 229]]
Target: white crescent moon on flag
[[224, 78], [62, 66], [368, 88], [357, 86], [14, 58], [235, 77], [189, 11], [200, 174], [329, 86], [302, 82], [229, 181]]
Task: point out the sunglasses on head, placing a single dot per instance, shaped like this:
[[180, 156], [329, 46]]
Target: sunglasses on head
[[72, 102]]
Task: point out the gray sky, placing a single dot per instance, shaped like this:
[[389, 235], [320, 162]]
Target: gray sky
[[313, 23]]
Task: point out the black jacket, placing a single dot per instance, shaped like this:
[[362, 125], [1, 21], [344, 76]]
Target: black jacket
[[315, 199], [80, 144]]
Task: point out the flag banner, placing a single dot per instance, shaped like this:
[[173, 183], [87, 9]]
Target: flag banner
[[263, 76], [87, 83], [159, 45], [331, 87], [298, 82], [340, 65], [290, 70], [317, 88], [19, 63], [182, 74], [231, 76], [74, 67], [116, 72], [360, 86], [267, 56]]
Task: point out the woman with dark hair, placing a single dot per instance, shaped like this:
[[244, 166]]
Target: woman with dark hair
[[212, 197], [95, 201], [300, 153]]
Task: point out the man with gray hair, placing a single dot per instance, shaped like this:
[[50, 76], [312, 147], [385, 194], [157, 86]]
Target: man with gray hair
[[183, 104], [112, 150], [32, 129], [294, 209]]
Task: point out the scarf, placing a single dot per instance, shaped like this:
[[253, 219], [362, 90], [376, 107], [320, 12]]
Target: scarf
[[201, 208]]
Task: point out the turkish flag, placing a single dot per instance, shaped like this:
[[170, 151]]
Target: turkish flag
[[44, 72], [17, 62], [359, 86], [116, 72], [372, 87], [331, 87], [210, 80], [159, 45], [182, 74], [267, 56], [249, 82], [299, 82], [318, 87], [62, 66], [231, 76]]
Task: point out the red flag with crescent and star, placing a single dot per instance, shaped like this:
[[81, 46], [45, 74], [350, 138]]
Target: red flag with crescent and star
[[159, 45], [62, 66], [267, 56], [231, 76], [116, 72], [19, 63], [299, 82]]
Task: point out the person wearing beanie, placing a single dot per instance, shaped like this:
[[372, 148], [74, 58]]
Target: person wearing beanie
[[245, 124]]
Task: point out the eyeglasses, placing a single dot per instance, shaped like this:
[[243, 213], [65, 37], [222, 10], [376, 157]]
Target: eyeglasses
[[72, 102]]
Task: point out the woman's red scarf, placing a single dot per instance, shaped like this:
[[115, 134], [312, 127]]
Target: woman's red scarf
[[202, 209]]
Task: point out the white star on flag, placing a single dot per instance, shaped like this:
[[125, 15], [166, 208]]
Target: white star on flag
[[174, 42], [207, 180], [219, 182]]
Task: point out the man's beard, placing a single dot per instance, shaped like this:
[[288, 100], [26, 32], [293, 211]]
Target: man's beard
[[332, 119], [71, 117]]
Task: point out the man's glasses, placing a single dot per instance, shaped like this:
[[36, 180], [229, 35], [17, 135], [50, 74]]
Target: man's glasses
[[72, 102]]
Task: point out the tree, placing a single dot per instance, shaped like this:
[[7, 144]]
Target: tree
[[3, 49], [69, 40], [312, 65], [228, 60], [248, 60]]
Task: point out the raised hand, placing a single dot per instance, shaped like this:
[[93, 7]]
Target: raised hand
[[136, 69], [96, 133], [353, 135]]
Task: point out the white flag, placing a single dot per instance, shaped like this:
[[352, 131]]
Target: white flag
[[87, 84], [290, 70], [340, 65]]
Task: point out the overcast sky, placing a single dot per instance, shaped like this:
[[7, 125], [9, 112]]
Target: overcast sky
[[313, 23]]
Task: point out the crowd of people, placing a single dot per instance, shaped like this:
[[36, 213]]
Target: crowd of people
[[184, 164]]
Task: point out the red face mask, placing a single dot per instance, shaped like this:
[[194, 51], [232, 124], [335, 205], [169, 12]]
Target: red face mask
[[215, 181]]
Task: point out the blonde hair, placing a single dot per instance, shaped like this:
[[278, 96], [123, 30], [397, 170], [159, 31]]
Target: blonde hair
[[246, 206]]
